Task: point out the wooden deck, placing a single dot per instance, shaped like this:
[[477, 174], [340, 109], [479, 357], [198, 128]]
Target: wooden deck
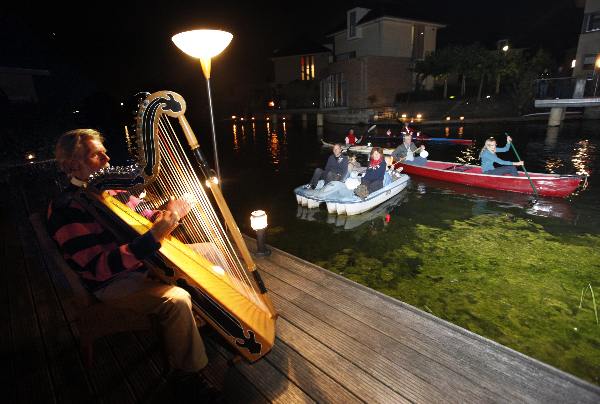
[[337, 341]]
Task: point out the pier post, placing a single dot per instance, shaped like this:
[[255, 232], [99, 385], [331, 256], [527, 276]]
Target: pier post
[[557, 114], [319, 119]]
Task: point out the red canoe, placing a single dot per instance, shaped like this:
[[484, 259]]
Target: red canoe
[[546, 184]]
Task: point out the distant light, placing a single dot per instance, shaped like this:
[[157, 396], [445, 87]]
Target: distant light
[[121, 104], [488, 96], [505, 48], [233, 116], [422, 33], [252, 118], [268, 118], [573, 62], [403, 115], [447, 118], [313, 103], [242, 118], [29, 156], [284, 118], [452, 97], [76, 111], [419, 116], [271, 103], [462, 118]]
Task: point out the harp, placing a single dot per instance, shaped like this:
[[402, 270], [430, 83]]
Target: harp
[[206, 254]]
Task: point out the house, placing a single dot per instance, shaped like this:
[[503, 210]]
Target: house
[[297, 69], [588, 49], [373, 55]]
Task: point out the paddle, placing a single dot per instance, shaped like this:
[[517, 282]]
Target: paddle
[[368, 131], [535, 193]]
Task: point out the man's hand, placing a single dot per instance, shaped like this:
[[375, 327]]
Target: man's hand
[[164, 224], [179, 206]]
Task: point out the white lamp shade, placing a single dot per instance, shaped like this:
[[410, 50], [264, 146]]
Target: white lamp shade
[[202, 43], [258, 220]]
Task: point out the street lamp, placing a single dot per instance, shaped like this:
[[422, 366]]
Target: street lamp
[[258, 221], [205, 44]]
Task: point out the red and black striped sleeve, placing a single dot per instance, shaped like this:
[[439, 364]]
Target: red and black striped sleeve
[[90, 249]]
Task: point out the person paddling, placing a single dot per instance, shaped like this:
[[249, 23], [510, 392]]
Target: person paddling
[[488, 158]]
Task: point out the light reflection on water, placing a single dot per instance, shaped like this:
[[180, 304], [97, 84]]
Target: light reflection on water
[[581, 158], [236, 144], [469, 155], [554, 164]]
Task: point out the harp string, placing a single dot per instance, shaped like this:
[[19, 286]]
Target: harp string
[[177, 178]]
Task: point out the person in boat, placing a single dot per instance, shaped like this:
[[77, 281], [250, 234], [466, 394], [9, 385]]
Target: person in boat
[[115, 272], [353, 164], [335, 169], [407, 152], [373, 178], [489, 158], [351, 138], [407, 129]]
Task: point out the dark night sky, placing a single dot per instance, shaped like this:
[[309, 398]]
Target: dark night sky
[[126, 47]]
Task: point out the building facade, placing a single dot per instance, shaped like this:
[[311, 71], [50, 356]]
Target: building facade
[[373, 56], [587, 59]]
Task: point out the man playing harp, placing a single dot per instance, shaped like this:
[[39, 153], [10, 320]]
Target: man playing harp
[[113, 272]]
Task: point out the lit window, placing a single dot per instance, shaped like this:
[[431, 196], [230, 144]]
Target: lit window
[[307, 67]]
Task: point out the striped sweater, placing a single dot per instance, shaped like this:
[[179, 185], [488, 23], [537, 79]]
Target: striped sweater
[[90, 249]]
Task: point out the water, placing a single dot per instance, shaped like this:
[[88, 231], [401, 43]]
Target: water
[[487, 261]]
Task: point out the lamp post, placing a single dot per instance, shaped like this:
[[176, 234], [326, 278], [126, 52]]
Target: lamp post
[[204, 44], [258, 221], [596, 70]]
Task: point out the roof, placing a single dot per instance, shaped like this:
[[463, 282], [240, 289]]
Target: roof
[[301, 47], [391, 11]]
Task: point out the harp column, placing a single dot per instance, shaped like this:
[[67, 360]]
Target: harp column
[[204, 44]]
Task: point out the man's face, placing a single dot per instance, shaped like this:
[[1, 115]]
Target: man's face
[[337, 151], [92, 158]]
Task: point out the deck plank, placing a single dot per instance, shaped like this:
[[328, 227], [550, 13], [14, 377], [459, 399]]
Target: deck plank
[[322, 303], [498, 368], [6, 337], [66, 368], [311, 379], [29, 360]]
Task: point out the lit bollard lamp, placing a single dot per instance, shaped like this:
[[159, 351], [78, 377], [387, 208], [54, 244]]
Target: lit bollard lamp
[[258, 221]]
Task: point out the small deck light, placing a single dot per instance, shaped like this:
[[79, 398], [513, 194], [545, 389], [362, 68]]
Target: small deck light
[[419, 116], [258, 222], [447, 118], [403, 115], [462, 118]]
